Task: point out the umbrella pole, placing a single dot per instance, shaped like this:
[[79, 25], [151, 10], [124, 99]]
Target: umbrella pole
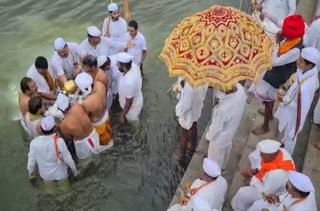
[[127, 13]]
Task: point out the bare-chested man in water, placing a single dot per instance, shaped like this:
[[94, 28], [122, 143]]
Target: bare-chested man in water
[[77, 126], [94, 104], [90, 65]]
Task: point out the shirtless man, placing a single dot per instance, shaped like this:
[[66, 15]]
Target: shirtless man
[[90, 65], [94, 104], [28, 89], [77, 126]]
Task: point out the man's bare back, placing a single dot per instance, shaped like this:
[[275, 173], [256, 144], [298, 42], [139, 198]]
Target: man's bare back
[[102, 77], [23, 103], [76, 123], [95, 103]]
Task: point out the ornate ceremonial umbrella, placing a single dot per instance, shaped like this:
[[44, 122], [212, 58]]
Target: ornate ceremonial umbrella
[[219, 46]]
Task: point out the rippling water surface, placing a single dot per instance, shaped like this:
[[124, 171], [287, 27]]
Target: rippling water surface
[[137, 173]]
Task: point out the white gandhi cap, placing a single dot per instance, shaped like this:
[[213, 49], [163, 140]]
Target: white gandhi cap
[[311, 54], [268, 146], [59, 43], [112, 7], [84, 81], [211, 168], [101, 60], [124, 57], [47, 123], [93, 31], [62, 102], [301, 181]]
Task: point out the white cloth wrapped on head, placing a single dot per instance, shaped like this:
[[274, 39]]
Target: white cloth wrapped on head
[[93, 31], [59, 43], [84, 82], [124, 57], [211, 168], [47, 123], [112, 7]]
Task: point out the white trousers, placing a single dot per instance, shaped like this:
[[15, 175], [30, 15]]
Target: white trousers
[[219, 154]]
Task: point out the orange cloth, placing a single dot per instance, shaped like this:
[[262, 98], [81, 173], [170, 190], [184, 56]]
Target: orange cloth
[[104, 131], [277, 163], [288, 45]]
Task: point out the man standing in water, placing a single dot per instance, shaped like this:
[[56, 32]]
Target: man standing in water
[[130, 89], [90, 66], [114, 26], [188, 111], [66, 60], [50, 154], [94, 104], [225, 122], [28, 89], [77, 126]]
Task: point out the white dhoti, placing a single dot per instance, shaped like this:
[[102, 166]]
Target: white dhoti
[[263, 91], [135, 110], [220, 152], [87, 146]]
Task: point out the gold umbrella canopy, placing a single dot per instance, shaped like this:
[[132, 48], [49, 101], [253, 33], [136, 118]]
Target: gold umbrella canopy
[[219, 46]]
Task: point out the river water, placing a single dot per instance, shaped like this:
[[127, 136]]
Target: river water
[[138, 172]]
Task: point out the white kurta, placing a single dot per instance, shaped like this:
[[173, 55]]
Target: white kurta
[[224, 123], [277, 11], [312, 36], [105, 47], [117, 29], [42, 152], [64, 66], [309, 204], [213, 193], [189, 107], [38, 79], [287, 110], [263, 91], [114, 76], [130, 86], [140, 45]]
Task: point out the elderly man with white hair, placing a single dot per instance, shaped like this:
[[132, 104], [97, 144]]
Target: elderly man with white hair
[[66, 60], [76, 126], [268, 156], [109, 65], [114, 26], [208, 190], [96, 45], [130, 89], [295, 105], [94, 103], [49, 152]]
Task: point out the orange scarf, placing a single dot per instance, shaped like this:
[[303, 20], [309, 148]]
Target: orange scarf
[[288, 45], [277, 163]]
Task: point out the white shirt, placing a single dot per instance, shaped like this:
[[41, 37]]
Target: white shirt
[[130, 86], [312, 36], [42, 152], [308, 204], [105, 47], [226, 119], [140, 45], [38, 79], [117, 29], [114, 75], [278, 10], [65, 66], [190, 104]]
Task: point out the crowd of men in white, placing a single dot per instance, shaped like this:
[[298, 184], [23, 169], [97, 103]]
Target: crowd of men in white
[[65, 103], [272, 179], [109, 64]]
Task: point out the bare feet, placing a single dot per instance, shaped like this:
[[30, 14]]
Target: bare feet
[[260, 130]]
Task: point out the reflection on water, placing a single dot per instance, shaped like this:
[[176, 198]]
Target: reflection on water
[[137, 173]]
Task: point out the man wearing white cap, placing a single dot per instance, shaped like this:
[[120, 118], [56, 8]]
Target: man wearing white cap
[[225, 122], [274, 184], [76, 126], [109, 65], [301, 194], [66, 60], [94, 104], [96, 45], [40, 74], [130, 89], [49, 152], [295, 105], [138, 42], [114, 26], [268, 156], [188, 111], [209, 191]]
